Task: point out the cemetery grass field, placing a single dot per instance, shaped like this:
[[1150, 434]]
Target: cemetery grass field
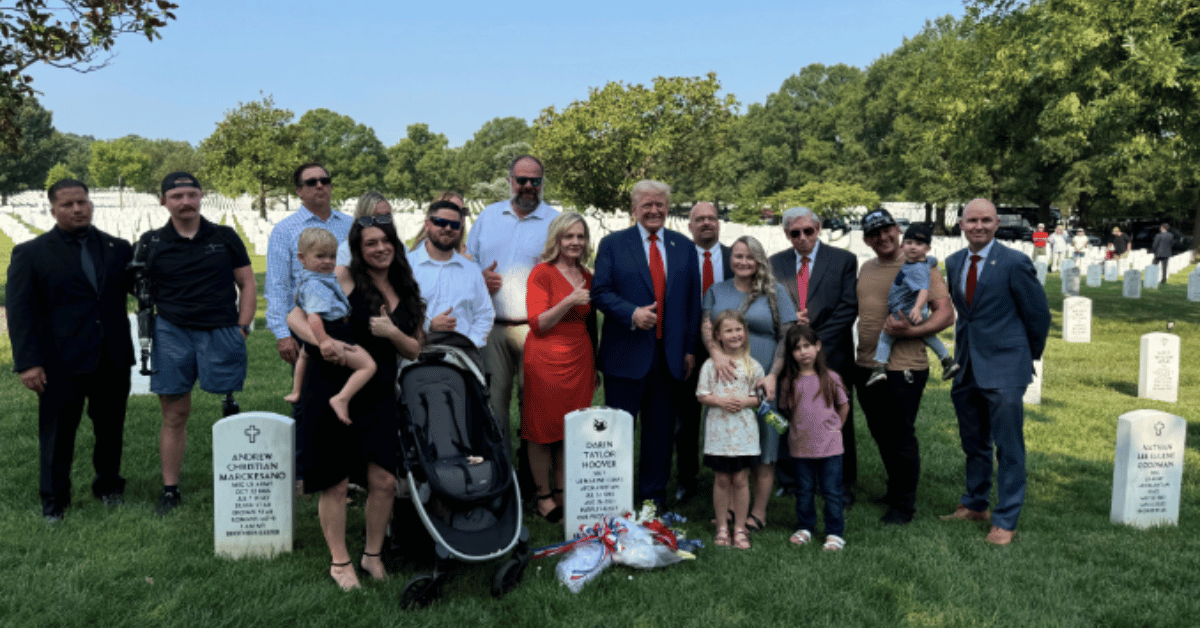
[[1069, 566]]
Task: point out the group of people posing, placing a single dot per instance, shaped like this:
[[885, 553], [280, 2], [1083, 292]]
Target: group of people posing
[[692, 328]]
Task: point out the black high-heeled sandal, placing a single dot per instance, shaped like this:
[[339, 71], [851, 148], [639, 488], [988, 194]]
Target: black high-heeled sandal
[[556, 514]]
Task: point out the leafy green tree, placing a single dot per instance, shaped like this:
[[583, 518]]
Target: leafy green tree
[[74, 152], [352, 152], [57, 173], [253, 150], [419, 165], [483, 158], [75, 34], [827, 199], [167, 156], [624, 133], [25, 166], [122, 163]]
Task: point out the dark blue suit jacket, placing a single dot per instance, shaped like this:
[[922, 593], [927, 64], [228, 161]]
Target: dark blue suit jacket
[[622, 284], [55, 318], [1004, 329]]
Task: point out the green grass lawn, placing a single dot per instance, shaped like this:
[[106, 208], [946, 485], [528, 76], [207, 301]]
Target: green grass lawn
[[1068, 567]]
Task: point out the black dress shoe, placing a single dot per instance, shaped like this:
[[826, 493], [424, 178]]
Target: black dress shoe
[[895, 517], [113, 499]]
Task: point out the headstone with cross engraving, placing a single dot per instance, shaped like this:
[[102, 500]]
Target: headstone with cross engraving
[[598, 465], [1158, 372], [1148, 469], [253, 475]]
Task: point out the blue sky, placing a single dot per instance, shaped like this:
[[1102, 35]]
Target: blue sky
[[455, 65]]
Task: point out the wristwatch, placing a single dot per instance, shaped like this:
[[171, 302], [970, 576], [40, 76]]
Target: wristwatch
[[245, 329]]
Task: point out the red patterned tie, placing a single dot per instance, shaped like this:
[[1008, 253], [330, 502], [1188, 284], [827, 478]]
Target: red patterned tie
[[802, 282], [972, 275], [707, 275], [658, 277]]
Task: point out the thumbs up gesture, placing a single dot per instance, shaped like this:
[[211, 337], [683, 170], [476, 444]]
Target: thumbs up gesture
[[446, 321], [646, 317], [382, 326], [492, 278]]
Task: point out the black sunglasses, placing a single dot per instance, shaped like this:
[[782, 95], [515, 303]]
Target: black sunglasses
[[438, 221], [807, 231], [312, 183], [534, 181], [371, 221]]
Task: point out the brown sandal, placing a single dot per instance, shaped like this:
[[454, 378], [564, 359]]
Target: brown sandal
[[741, 539]]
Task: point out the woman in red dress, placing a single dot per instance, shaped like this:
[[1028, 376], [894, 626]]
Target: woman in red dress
[[559, 360]]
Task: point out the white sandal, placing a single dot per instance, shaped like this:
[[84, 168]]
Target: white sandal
[[801, 537], [834, 543]]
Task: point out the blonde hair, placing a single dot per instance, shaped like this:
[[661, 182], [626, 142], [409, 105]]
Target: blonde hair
[[316, 239], [367, 203], [744, 355], [554, 234]]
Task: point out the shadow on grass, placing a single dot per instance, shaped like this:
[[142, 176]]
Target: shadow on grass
[[1123, 387]]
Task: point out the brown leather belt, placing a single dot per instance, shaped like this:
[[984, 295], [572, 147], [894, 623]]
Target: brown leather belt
[[508, 323]]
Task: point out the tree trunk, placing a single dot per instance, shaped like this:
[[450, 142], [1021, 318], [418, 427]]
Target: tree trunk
[[939, 225], [262, 201], [1196, 225], [928, 211]]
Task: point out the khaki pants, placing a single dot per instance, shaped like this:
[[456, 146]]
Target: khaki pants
[[503, 359]]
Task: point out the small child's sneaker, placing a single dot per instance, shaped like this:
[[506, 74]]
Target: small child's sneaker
[[878, 374], [949, 367]]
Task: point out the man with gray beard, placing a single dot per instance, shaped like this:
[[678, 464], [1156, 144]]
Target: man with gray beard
[[506, 240]]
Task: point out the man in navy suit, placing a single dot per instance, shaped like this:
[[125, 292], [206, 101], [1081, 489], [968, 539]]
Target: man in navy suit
[[71, 342], [648, 289], [829, 305], [1001, 329], [713, 268]]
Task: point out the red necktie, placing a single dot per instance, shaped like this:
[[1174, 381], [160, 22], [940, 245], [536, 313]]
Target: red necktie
[[658, 277], [707, 274], [972, 274], [802, 282]]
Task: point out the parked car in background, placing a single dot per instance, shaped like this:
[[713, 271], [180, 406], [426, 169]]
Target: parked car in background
[[1145, 237], [1014, 228]]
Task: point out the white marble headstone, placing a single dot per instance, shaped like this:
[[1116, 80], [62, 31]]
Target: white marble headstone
[[1158, 373], [1066, 265], [1094, 275], [597, 465], [254, 464], [1193, 293], [1070, 282], [1111, 271], [1040, 268], [1077, 319], [1148, 468], [1033, 392], [1132, 288], [138, 384], [1150, 277]]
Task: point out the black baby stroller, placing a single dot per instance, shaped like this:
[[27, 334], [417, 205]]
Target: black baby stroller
[[459, 471]]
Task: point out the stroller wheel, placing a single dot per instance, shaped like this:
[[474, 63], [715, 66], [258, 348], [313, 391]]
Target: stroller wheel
[[508, 577], [420, 591]]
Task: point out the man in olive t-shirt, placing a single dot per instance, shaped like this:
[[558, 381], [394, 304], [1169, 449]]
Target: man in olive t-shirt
[[891, 407]]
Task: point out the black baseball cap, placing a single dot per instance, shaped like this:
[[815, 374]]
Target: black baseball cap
[[919, 233], [876, 220], [180, 180]]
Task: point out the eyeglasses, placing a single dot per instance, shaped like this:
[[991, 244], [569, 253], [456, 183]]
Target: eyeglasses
[[312, 183], [438, 221], [371, 221], [534, 181], [807, 231]]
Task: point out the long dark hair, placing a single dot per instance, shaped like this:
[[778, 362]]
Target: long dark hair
[[791, 369], [399, 274]]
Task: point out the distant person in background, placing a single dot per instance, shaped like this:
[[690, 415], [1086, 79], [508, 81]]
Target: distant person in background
[[559, 361], [1162, 247], [457, 199], [1120, 243], [1059, 245], [369, 204], [1079, 246], [205, 296], [506, 240], [713, 257], [1040, 240], [70, 336]]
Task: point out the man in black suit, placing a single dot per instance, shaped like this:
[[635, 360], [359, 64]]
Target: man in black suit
[[713, 268], [70, 333], [821, 280]]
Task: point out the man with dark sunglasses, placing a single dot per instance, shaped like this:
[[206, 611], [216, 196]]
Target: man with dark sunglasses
[[456, 296], [314, 186], [821, 280], [506, 241]]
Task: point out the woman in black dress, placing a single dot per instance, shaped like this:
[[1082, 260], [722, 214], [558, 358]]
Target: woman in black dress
[[385, 319]]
